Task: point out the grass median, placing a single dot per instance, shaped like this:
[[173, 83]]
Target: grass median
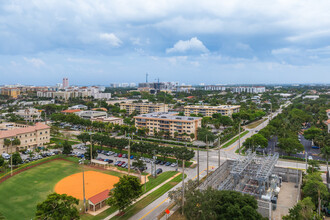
[[233, 140]]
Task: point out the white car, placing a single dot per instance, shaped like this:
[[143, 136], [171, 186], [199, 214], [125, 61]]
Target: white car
[[174, 164], [310, 158]]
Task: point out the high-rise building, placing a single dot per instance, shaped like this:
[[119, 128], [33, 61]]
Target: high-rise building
[[65, 83]]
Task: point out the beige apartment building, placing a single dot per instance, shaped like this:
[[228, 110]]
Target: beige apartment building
[[225, 110], [179, 127], [30, 136], [143, 108]]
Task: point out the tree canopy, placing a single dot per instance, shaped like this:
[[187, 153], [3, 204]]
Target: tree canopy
[[125, 192], [58, 207]]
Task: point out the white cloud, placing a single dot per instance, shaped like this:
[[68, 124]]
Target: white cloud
[[284, 51], [242, 46], [189, 45], [35, 61], [111, 38]]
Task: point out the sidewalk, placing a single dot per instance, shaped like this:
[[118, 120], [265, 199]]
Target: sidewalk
[[144, 195]]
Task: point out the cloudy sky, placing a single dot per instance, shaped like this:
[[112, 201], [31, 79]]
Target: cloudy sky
[[213, 42]]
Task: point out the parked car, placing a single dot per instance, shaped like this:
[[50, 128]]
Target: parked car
[[162, 163], [110, 161], [168, 164], [174, 164], [132, 157], [117, 162], [5, 156], [123, 165], [125, 156], [120, 155], [159, 171], [115, 155], [158, 161], [310, 158]]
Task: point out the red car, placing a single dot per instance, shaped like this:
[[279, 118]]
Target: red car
[[121, 163], [120, 155]]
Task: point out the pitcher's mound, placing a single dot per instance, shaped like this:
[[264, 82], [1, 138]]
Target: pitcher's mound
[[95, 182]]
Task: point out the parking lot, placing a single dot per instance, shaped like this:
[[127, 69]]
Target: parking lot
[[79, 149]]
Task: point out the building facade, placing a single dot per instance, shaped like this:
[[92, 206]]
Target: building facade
[[29, 114], [30, 136], [169, 123], [11, 92], [143, 108], [225, 110], [112, 120]]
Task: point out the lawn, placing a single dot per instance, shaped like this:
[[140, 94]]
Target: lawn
[[233, 140], [256, 123], [25, 190]]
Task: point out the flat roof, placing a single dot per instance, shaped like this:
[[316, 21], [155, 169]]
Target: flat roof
[[168, 115], [213, 107]]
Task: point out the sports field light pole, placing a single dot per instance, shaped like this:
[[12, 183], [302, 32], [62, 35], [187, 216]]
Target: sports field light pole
[[91, 147], [82, 162], [11, 156]]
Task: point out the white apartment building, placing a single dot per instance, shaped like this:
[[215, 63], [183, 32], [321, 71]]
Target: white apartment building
[[143, 108]]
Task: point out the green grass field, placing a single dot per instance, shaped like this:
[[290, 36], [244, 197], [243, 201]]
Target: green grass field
[[24, 191], [233, 140], [21, 193]]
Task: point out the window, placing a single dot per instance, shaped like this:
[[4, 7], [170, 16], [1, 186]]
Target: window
[[40, 132]]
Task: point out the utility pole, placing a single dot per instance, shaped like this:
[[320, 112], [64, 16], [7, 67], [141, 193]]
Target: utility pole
[[207, 158], [239, 136], [219, 153], [182, 185]]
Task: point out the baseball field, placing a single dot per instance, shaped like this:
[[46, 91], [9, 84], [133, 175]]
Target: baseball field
[[21, 193]]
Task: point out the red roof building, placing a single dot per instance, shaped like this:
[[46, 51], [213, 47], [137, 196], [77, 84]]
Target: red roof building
[[70, 111], [99, 200]]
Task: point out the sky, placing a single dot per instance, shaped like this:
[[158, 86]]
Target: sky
[[98, 42]]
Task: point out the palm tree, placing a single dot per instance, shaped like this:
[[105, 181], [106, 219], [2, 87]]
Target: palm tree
[[325, 153], [7, 143]]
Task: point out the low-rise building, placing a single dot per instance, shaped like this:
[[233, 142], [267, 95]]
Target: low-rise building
[[327, 122], [143, 108], [112, 120], [312, 97], [29, 136], [70, 111], [169, 123], [91, 114], [225, 110], [328, 113], [81, 107], [29, 114]]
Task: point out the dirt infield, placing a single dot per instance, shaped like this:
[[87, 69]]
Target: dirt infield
[[95, 182]]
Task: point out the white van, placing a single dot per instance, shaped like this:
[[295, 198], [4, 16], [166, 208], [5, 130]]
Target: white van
[[6, 156]]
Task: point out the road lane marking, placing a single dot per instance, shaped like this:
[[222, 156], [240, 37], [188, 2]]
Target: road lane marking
[[168, 197]]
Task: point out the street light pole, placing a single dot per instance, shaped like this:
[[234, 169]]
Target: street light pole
[[129, 155], [207, 158], [198, 164]]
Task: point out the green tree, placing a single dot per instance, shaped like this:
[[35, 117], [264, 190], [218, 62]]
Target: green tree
[[203, 134], [2, 161], [84, 137], [290, 145], [16, 158], [215, 204], [127, 190], [67, 148], [325, 153], [312, 133], [304, 209], [313, 186], [58, 207]]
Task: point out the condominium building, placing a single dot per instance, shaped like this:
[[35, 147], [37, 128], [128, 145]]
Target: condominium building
[[225, 110], [169, 123], [11, 92], [143, 108], [30, 136], [91, 114]]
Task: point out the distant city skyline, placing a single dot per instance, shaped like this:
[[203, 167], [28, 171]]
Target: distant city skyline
[[93, 42]]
